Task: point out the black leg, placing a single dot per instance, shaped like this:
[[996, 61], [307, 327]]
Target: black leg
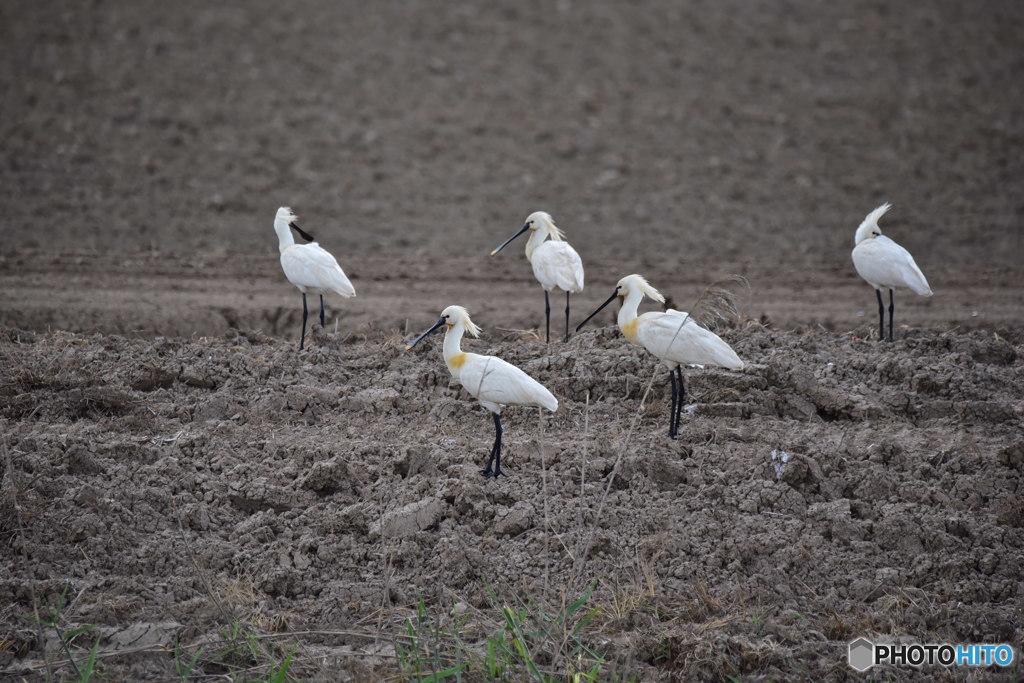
[[495, 451], [305, 315], [497, 455], [322, 311], [891, 309], [487, 471], [547, 316], [881, 316], [682, 396], [672, 411], [567, 316]]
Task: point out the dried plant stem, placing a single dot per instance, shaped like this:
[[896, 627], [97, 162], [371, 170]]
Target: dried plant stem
[[585, 548], [228, 618], [13, 492], [583, 465], [544, 489]]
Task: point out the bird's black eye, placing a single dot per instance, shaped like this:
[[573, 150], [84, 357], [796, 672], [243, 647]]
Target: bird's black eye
[[876, 234]]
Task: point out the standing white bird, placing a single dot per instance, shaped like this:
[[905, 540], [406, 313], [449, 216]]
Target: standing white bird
[[308, 266], [488, 378], [883, 263], [556, 265], [672, 336]]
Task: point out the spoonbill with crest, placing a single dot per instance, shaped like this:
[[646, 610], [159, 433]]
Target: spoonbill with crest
[[491, 380], [672, 336], [556, 264], [883, 263], [309, 267]]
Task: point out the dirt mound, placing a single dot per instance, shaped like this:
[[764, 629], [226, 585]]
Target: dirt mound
[[836, 487]]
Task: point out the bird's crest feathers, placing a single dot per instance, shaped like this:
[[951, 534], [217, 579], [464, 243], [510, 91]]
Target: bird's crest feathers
[[870, 224], [457, 313], [286, 213], [548, 223], [638, 282]]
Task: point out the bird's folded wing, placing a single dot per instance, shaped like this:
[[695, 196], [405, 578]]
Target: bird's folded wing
[[883, 262], [674, 336], [309, 265], [491, 379], [558, 263]]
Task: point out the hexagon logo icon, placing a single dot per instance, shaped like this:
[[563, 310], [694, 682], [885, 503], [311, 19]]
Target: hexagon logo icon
[[861, 654]]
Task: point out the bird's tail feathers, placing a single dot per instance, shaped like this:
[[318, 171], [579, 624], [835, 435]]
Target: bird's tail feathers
[[918, 283], [729, 360], [549, 401], [345, 289]]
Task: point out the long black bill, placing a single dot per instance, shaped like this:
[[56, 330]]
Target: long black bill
[[505, 243], [600, 308], [302, 233], [440, 323]]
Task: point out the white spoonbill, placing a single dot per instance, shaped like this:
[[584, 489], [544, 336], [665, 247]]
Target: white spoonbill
[[556, 265], [672, 336], [883, 263], [308, 266], [491, 380]]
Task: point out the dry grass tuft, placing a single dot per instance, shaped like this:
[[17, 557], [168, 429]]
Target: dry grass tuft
[[717, 307]]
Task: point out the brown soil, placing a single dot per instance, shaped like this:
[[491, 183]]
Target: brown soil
[[170, 456]]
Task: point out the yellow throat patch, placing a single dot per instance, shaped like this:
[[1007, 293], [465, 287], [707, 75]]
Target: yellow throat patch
[[457, 361], [629, 329]]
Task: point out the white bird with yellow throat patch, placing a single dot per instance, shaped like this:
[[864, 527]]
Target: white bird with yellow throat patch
[[883, 263], [556, 265], [491, 380], [673, 336], [308, 266]]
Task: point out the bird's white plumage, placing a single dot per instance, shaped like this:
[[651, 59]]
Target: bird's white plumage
[[314, 271], [494, 382], [677, 339], [882, 262], [309, 267], [672, 336], [557, 265]]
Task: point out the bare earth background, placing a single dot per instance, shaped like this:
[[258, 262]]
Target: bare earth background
[[170, 456]]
